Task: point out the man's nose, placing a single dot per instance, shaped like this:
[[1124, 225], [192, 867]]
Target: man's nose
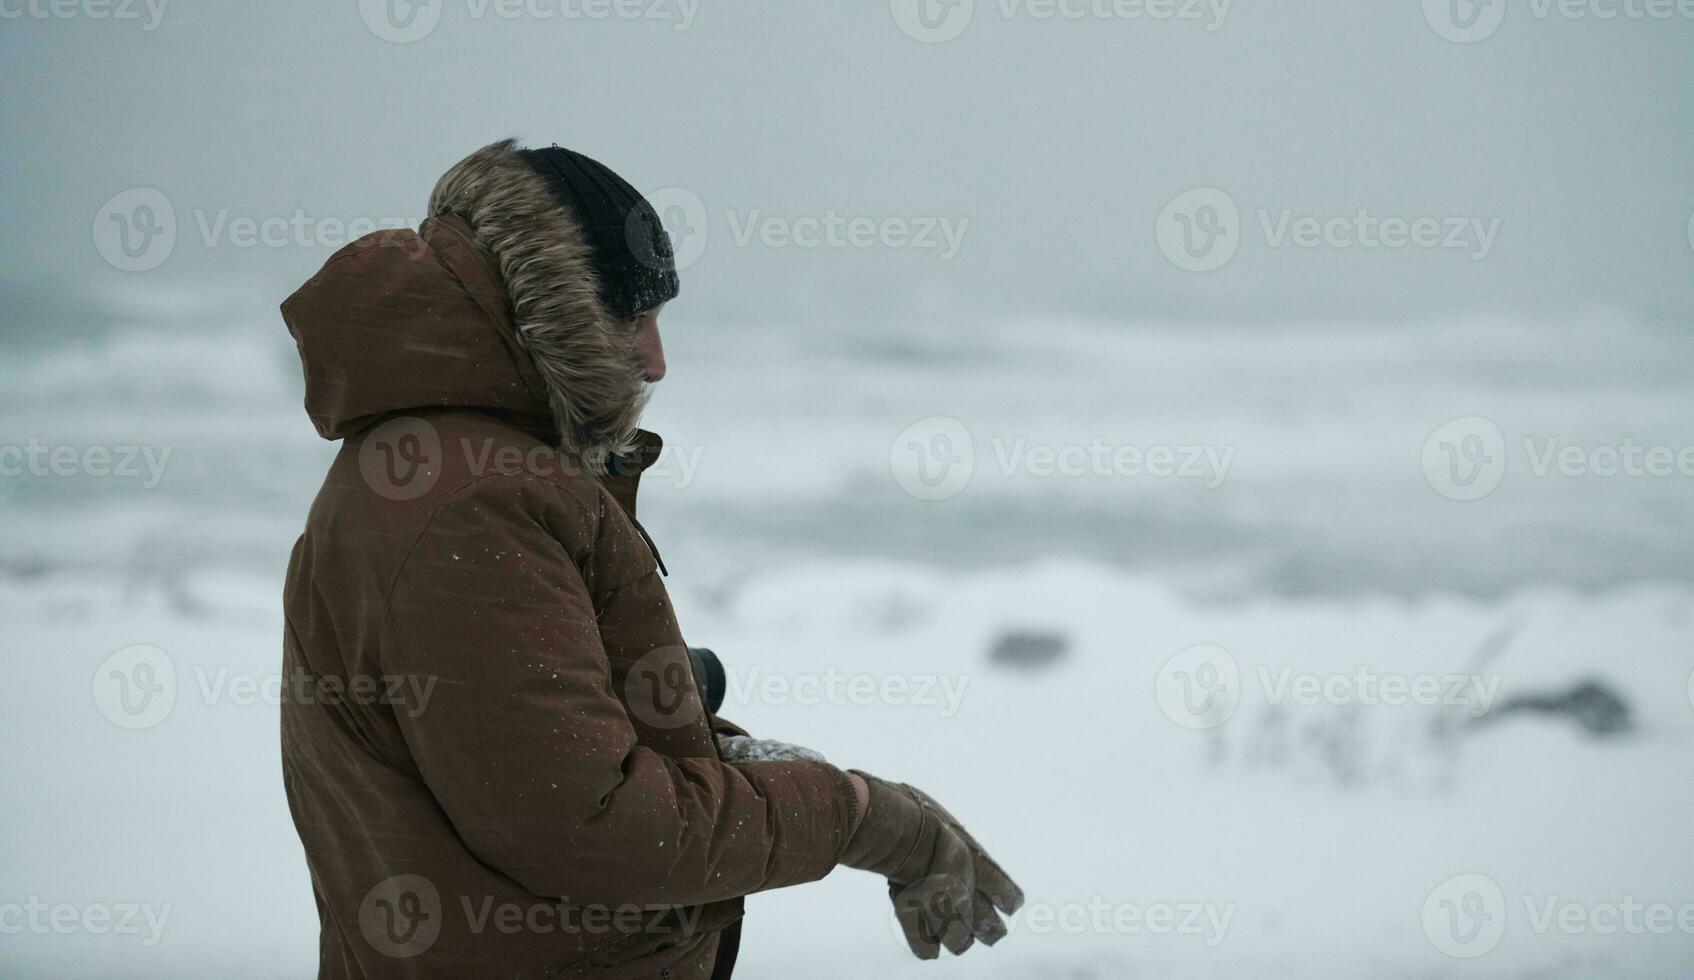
[[652, 350]]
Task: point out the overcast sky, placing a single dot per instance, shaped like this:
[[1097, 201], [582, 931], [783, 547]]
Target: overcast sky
[[1024, 163]]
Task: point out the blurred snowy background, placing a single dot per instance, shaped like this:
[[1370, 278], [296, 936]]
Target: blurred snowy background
[[1410, 463]]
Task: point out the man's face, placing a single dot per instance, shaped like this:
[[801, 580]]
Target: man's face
[[644, 343]]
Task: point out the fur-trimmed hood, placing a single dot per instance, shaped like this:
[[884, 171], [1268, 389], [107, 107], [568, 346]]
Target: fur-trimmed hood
[[493, 303]]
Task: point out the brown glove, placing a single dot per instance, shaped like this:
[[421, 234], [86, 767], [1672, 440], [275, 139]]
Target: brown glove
[[994, 887], [944, 887]]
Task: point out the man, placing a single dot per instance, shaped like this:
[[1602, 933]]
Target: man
[[494, 750]]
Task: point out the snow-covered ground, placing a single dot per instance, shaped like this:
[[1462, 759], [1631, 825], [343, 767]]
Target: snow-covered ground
[[1111, 812], [1037, 650]]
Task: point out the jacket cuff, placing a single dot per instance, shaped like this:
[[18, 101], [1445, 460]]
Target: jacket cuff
[[812, 809], [850, 800]]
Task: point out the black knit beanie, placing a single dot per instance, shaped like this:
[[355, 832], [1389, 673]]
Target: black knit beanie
[[632, 252]]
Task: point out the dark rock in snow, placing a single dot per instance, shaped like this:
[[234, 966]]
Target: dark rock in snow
[[1591, 705], [1028, 649]]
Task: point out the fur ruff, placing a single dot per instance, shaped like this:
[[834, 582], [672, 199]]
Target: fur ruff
[[594, 386]]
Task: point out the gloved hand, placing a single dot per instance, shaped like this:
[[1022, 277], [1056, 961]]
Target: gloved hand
[[944, 886]]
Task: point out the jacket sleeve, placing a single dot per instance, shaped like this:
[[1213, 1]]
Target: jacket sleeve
[[530, 752]]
